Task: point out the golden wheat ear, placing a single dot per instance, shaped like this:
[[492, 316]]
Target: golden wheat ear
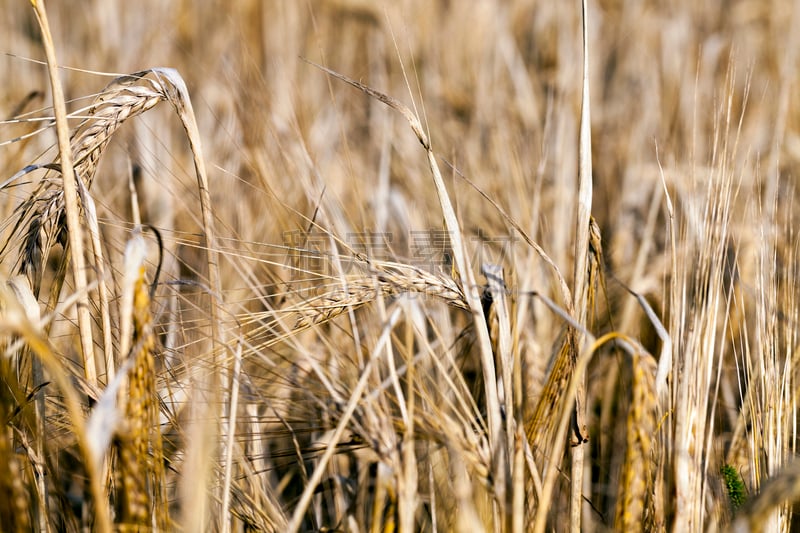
[[634, 503], [141, 462], [39, 222]]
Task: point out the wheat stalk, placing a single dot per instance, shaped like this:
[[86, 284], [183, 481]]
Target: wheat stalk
[[582, 285]]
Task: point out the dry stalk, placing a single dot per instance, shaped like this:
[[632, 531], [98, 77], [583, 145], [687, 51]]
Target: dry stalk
[[230, 432], [581, 284], [72, 209], [408, 490], [102, 285], [508, 362]]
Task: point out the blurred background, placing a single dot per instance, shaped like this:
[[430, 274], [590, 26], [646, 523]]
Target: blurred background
[[496, 83]]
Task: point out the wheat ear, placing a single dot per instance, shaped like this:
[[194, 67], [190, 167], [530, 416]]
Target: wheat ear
[[638, 469]]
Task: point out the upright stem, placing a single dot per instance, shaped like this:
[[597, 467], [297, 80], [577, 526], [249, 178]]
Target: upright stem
[[75, 236], [72, 208], [581, 288]]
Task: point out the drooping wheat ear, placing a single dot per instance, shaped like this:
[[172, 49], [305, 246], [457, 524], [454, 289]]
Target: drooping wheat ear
[[379, 280], [141, 463], [541, 425], [394, 280], [40, 219], [638, 470]]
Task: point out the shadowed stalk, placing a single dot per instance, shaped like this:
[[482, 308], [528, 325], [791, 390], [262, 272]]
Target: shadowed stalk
[[16, 321], [355, 397], [102, 287]]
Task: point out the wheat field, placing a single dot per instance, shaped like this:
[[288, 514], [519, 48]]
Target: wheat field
[[353, 265]]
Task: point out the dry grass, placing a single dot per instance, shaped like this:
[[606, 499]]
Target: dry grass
[[524, 322]]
